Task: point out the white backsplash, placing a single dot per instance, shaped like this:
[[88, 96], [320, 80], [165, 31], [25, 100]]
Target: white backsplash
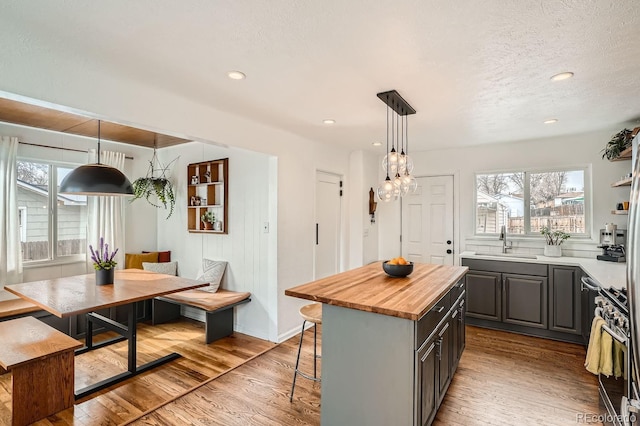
[[531, 247]]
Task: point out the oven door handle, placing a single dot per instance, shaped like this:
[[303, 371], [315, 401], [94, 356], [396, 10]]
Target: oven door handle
[[589, 284], [622, 339]]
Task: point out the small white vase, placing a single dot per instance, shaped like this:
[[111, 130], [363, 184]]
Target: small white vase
[[552, 251]]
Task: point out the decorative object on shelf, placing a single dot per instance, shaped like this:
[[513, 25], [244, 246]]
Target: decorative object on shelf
[[554, 240], [157, 190], [400, 165], [207, 174], [618, 143], [96, 179], [103, 263], [208, 218], [397, 267], [194, 180], [372, 205]]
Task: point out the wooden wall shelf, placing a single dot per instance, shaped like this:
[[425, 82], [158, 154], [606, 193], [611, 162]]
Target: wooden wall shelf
[[208, 190], [623, 182]]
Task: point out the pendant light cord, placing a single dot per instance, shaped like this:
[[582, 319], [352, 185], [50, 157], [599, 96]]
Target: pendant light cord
[[98, 141], [388, 137]]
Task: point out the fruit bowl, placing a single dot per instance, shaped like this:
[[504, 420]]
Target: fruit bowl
[[397, 271]]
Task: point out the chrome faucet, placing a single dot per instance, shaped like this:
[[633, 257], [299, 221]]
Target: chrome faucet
[[506, 245]]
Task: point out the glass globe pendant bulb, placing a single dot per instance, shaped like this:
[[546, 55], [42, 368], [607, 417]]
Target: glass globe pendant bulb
[[408, 164], [390, 162], [386, 190], [397, 181], [410, 182]]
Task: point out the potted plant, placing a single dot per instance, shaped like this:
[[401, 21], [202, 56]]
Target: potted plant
[[208, 218], [554, 240], [618, 143], [158, 191], [103, 263]]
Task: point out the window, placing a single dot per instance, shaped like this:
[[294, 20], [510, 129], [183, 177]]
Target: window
[[527, 201], [52, 226]]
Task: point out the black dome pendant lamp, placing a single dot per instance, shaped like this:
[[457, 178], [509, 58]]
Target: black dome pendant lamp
[[96, 179]]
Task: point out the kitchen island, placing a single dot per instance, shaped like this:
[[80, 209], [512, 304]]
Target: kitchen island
[[389, 345]]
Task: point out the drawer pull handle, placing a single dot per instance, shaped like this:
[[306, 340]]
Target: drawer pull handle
[[439, 309]]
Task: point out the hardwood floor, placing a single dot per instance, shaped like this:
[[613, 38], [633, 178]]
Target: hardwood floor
[[135, 396], [502, 379]]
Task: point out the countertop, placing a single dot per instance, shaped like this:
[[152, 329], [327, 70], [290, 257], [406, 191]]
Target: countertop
[[369, 289], [607, 274]]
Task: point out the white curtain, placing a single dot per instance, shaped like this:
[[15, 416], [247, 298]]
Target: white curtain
[[10, 251], [106, 214]]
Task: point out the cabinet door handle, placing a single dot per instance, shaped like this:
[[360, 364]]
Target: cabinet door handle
[[440, 348], [316, 234]]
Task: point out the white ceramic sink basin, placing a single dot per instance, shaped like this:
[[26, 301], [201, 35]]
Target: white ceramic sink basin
[[509, 255]]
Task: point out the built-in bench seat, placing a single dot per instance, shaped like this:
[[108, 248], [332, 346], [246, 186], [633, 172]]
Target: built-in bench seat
[[41, 360], [218, 308]]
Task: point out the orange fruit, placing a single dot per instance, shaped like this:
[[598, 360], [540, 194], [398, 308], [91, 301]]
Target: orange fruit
[[402, 261], [393, 261]]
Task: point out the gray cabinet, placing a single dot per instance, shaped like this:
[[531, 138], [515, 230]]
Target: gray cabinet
[[427, 397], [530, 298], [565, 299], [457, 333], [524, 300], [445, 349], [484, 295]]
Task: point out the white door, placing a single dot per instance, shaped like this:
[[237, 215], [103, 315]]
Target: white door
[[427, 221], [327, 232]]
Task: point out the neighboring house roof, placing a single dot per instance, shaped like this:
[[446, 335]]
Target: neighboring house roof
[[65, 199]]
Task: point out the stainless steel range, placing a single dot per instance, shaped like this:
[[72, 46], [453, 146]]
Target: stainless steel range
[[612, 305]]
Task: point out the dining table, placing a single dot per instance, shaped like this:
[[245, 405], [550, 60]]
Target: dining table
[[79, 294]]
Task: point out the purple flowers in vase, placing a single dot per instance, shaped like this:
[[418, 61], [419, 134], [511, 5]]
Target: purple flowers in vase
[[101, 257]]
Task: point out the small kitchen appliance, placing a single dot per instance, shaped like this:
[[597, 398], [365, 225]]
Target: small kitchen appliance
[[612, 243]]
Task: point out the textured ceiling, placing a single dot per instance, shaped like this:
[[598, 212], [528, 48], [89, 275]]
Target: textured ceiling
[[476, 72]]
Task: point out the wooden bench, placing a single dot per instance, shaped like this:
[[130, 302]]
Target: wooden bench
[[14, 308], [41, 361], [218, 308]]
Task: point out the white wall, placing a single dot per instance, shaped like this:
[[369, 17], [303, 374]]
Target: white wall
[[246, 247], [572, 150]]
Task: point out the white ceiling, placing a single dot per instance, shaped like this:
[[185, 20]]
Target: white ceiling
[[476, 71]]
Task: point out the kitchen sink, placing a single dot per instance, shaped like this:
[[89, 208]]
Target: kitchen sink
[[509, 255]]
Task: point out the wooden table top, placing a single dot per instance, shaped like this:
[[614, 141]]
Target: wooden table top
[[79, 294], [369, 289], [27, 339]]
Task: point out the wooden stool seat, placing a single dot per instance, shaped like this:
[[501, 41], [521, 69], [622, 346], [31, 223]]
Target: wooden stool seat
[[312, 312], [41, 360]]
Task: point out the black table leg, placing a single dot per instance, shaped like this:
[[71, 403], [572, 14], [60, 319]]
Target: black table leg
[[128, 332]]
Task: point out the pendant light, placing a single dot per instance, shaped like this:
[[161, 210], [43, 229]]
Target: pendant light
[[399, 165], [96, 179]]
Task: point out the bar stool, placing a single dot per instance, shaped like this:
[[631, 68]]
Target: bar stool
[[311, 313]]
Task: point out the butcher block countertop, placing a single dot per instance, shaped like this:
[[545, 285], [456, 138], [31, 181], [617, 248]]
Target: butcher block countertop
[[369, 289]]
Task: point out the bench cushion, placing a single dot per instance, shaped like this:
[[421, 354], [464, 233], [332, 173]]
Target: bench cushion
[[207, 300], [12, 307]]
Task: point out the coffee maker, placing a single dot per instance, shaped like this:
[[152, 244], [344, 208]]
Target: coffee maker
[[612, 243]]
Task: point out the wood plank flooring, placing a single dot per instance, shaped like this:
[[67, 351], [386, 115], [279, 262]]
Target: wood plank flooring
[[502, 379], [135, 396]]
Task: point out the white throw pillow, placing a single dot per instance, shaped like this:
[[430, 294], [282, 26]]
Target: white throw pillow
[[212, 272], [169, 268]]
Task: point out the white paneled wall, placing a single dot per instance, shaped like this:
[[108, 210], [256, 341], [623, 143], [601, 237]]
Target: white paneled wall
[[246, 247]]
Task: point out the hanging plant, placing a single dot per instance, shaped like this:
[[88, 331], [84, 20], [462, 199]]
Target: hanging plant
[[618, 143], [157, 190]]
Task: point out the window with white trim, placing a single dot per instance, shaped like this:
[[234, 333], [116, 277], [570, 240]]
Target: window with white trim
[[52, 226], [526, 201]]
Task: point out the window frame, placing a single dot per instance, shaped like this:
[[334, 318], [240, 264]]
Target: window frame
[[52, 217], [588, 203]]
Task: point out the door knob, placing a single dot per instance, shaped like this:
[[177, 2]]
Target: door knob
[[449, 251], [448, 241]]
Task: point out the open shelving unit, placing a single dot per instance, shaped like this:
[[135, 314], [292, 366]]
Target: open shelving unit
[[208, 190]]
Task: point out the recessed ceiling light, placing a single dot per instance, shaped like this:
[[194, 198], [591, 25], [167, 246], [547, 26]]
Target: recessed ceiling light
[[377, 144], [329, 121], [551, 121], [236, 75], [562, 76]]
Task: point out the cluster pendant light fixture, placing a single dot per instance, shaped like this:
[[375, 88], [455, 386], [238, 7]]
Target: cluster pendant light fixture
[[398, 165], [96, 179]]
